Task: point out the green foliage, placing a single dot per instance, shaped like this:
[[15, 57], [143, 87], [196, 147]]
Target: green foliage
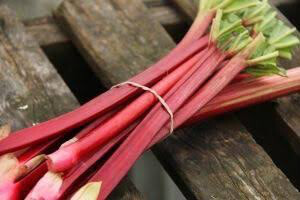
[[239, 5], [228, 6], [228, 32], [254, 15], [238, 22]]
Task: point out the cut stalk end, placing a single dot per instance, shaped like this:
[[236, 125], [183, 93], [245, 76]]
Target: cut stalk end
[[9, 191], [9, 168], [251, 48], [71, 141], [47, 188], [61, 160], [34, 162], [90, 191], [4, 131]]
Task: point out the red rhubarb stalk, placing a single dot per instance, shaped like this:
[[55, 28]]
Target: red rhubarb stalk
[[250, 92], [66, 158]]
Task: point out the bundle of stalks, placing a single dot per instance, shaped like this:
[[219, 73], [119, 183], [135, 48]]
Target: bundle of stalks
[[226, 61]]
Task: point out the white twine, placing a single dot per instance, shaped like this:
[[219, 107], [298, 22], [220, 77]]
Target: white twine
[[160, 99]]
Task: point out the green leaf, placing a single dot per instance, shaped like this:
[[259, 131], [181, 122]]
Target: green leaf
[[265, 70], [256, 12], [229, 34], [286, 42], [286, 53], [239, 5]]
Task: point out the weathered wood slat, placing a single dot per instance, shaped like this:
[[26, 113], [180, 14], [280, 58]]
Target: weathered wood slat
[[31, 89], [214, 160], [152, 3], [114, 36], [47, 33], [220, 160]]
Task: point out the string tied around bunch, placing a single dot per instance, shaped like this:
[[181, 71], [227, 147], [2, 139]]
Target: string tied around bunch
[[160, 99]]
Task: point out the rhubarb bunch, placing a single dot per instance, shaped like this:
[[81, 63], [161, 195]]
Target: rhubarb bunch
[[227, 60]]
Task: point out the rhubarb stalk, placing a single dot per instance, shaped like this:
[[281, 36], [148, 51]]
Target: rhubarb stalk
[[65, 158]]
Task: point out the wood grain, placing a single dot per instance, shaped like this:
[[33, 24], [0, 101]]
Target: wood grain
[[31, 89], [46, 31], [118, 38], [214, 160], [219, 159]]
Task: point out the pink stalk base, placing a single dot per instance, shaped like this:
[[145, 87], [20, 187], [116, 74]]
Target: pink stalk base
[[84, 132], [44, 186], [18, 190], [101, 104], [198, 28], [9, 191], [89, 161], [75, 174]]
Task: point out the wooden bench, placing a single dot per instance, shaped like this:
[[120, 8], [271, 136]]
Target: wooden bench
[[217, 159]]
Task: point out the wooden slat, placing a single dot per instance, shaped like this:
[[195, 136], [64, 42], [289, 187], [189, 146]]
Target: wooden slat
[[214, 160], [117, 38], [153, 3], [220, 160], [31, 89], [167, 15], [47, 33]]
